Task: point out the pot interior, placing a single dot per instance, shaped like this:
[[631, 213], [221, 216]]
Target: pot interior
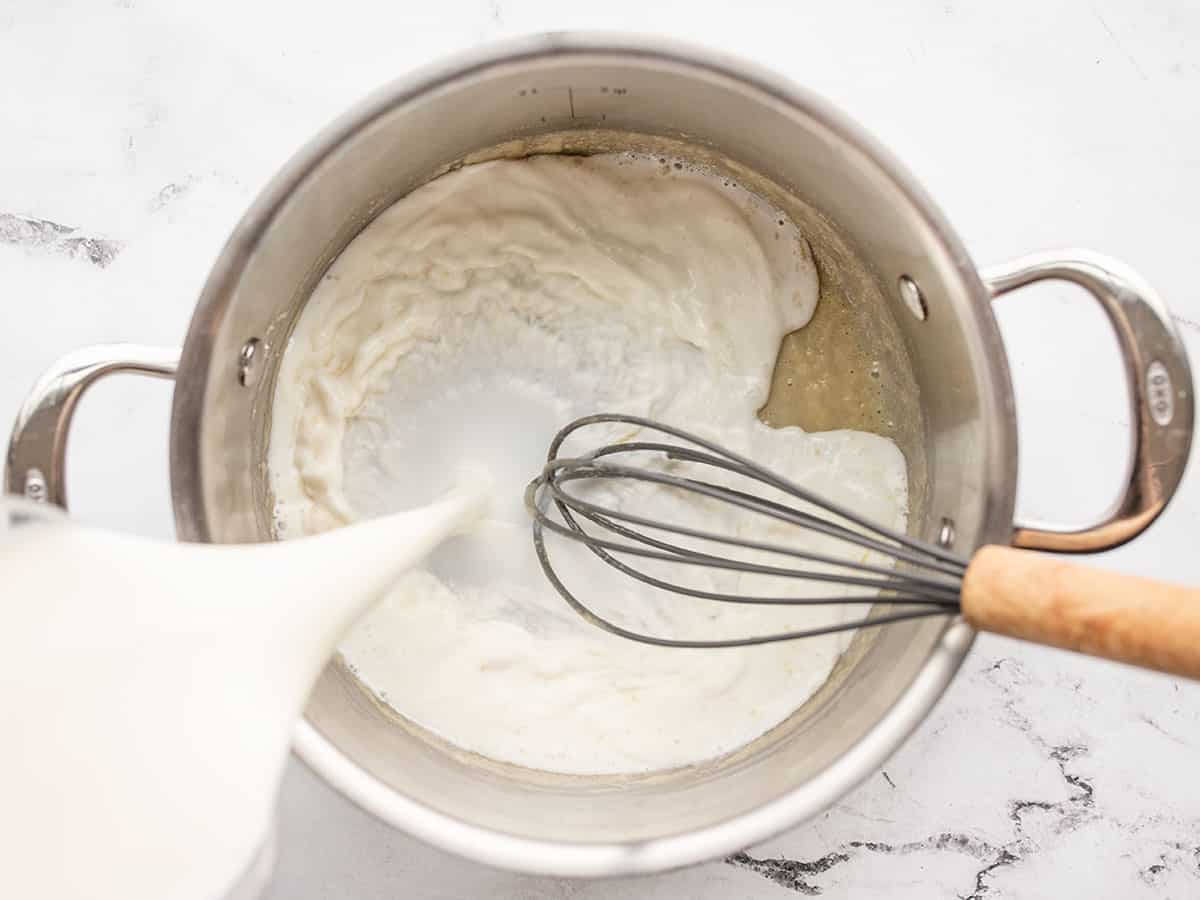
[[937, 396]]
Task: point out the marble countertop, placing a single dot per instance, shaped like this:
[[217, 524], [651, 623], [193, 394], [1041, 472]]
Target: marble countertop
[[134, 133]]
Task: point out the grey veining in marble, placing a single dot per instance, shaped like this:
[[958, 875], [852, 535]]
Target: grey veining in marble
[[135, 133], [41, 234]]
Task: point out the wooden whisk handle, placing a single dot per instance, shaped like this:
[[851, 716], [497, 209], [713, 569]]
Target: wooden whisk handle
[[1048, 601]]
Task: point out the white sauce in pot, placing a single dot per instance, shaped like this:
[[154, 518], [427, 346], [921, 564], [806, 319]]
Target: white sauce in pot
[[464, 327]]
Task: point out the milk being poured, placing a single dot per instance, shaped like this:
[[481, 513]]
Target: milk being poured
[[148, 692]]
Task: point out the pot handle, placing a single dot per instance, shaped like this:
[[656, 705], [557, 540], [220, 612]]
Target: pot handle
[[37, 451], [1160, 390]]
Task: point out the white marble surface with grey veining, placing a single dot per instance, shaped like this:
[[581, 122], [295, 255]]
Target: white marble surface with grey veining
[[133, 133]]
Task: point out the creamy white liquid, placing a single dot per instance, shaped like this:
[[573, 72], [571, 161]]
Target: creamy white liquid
[[466, 325], [148, 692]]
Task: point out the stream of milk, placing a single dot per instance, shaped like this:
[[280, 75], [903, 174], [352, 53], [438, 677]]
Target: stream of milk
[[148, 691]]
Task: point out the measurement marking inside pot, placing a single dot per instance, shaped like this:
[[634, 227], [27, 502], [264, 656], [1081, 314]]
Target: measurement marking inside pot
[[248, 363]]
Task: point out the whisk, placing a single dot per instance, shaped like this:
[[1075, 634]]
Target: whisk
[[999, 589]]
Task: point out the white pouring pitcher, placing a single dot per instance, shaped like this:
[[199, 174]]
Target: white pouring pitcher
[[148, 692]]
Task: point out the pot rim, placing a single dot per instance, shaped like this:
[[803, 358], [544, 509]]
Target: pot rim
[[603, 858]]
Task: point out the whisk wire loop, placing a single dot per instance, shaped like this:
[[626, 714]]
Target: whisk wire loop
[[931, 583]]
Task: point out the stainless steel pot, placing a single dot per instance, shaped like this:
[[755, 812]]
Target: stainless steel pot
[[871, 228]]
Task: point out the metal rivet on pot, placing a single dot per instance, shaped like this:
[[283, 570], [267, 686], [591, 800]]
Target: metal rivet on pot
[[912, 297], [248, 363], [35, 486], [946, 533]]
